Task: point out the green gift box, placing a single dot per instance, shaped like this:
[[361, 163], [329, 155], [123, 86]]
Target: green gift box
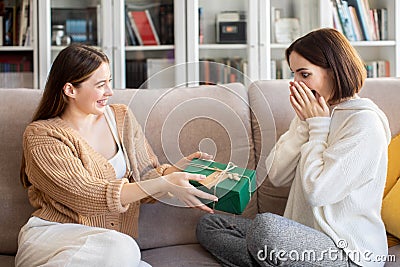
[[233, 195]]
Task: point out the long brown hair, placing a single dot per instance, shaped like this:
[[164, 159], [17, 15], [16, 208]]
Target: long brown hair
[[329, 49], [74, 64]]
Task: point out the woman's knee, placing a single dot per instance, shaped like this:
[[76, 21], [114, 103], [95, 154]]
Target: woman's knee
[[203, 227], [263, 230], [123, 249]]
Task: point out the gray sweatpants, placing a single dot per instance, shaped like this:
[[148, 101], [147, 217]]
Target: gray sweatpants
[[268, 240]]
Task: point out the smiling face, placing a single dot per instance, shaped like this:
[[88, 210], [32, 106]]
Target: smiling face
[[315, 77], [91, 96]]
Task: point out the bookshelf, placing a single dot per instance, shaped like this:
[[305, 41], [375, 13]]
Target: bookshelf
[[137, 62], [385, 45], [86, 21], [209, 40], [370, 51], [190, 38], [18, 49]]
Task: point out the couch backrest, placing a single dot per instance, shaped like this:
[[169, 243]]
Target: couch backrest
[[271, 116], [215, 119], [177, 122], [16, 110]]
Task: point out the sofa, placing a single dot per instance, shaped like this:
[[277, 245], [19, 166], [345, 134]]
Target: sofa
[[231, 121]]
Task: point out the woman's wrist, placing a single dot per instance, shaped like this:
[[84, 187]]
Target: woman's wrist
[[170, 169], [165, 169]]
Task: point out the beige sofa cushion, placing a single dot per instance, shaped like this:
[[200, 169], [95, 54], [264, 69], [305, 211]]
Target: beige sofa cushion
[[270, 117], [16, 109], [385, 93], [177, 122], [180, 121]]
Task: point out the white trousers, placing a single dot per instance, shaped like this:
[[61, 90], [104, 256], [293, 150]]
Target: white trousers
[[44, 243]]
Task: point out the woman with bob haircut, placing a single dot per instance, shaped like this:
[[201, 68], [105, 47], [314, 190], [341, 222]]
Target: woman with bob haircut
[[87, 167], [334, 157]]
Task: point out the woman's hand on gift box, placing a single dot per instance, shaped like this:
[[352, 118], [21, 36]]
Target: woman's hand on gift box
[[182, 164], [177, 183]]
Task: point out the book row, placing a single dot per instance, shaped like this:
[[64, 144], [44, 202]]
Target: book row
[[222, 70], [359, 22], [149, 26], [160, 72], [15, 63]]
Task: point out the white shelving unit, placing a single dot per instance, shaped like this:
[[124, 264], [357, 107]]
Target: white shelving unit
[[210, 48], [123, 52], [318, 10], [386, 50], [368, 50], [258, 52], [8, 77], [48, 52]]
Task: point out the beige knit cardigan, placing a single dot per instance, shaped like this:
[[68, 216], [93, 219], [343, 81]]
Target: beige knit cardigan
[[72, 183]]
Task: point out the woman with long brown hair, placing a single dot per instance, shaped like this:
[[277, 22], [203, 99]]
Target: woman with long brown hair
[[87, 167]]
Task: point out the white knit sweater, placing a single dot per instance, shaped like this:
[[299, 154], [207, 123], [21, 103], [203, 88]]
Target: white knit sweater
[[337, 166]]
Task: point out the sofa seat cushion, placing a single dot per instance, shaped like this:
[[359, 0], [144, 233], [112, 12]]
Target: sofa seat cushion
[[179, 256], [7, 261]]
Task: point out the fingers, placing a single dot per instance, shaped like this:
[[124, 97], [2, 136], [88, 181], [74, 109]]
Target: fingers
[[200, 155], [307, 103], [205, 208], [322, 102], [204, 195], [181, 164], [302, 93], [294, 90], [193, 202], [195, 177], [296, 107], [198, 205]]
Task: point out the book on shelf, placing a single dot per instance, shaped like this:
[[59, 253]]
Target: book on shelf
[[222, 70], [273, 70], [377, 68], [143, 27], [345, 20], [383, 23], [23, 22], [130, 35], [166, 24], [280, 69], [136, 72], [371, 22], [10, 26], [356, 23], [336, 20], [363, 16], [201, 25], [1, 30], [359, 22], [14, 22]]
